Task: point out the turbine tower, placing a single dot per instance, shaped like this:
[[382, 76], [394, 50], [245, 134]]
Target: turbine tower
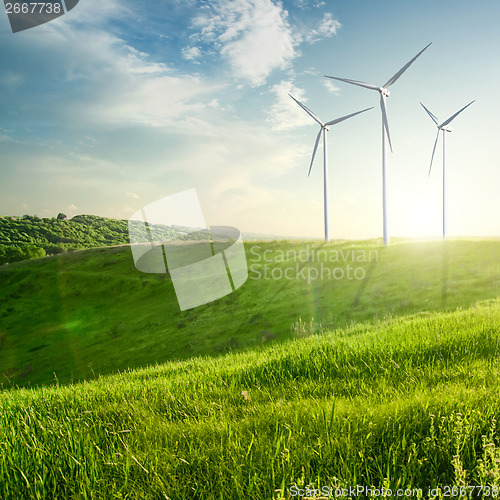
[[443, 128], [384, 93], [323, 130]]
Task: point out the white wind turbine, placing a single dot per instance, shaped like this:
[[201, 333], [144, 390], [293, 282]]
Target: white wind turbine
[[443, 128], [384, 93], [324, 129]]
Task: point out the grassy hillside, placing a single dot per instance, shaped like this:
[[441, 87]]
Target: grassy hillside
[[352, 364], [80, 315], [409, 402]]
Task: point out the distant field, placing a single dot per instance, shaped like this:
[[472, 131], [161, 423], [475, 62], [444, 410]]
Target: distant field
[[80, 315]]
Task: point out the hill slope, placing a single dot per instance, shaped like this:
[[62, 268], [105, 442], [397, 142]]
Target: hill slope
[[404, 403], [79, 315], [30, 237]]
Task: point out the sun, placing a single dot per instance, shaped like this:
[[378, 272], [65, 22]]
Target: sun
[[422, 220]]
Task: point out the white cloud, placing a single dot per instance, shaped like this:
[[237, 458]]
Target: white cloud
[[327, 28], [306, 4], [97, 12], [155, 101], [123, 86], [285, 114], [104, 81], [253, 35], [191, 53], [331, 87], [133, 195]]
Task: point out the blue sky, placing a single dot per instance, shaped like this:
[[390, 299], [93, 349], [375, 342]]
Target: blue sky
[[120, 103]]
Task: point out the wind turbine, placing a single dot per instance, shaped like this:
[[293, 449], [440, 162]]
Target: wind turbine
[[443, 128], [323, 130], [384, 93]]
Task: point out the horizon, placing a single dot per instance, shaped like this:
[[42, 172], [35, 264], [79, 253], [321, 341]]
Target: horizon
[[249, 235]]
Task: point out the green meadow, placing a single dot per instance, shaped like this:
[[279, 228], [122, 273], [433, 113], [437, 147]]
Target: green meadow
[[334, 365]]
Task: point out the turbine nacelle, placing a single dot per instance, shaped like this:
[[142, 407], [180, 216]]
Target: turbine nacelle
[[385, 92], [446, 129]]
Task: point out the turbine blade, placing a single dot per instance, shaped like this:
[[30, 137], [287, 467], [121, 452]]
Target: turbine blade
[[384, 118], [354, 82], [454, 116], [434, 150], [403, 69], [433, 117], [307, 110], [314, 150], [338, 120]]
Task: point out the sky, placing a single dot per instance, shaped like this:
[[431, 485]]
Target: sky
[[118, 104]]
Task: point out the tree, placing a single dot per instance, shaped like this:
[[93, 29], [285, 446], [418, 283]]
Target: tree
[[61, 216]]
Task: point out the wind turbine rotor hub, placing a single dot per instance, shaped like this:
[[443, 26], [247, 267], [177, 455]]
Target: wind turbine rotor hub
[[384, 92]]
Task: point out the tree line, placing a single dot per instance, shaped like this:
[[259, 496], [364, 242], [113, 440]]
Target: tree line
[[30, 237]]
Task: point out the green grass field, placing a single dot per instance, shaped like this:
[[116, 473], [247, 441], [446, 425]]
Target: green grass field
[[89, 313], [390, 380]]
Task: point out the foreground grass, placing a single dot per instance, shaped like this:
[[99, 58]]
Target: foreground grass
[[407, 402], [76, 316]]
